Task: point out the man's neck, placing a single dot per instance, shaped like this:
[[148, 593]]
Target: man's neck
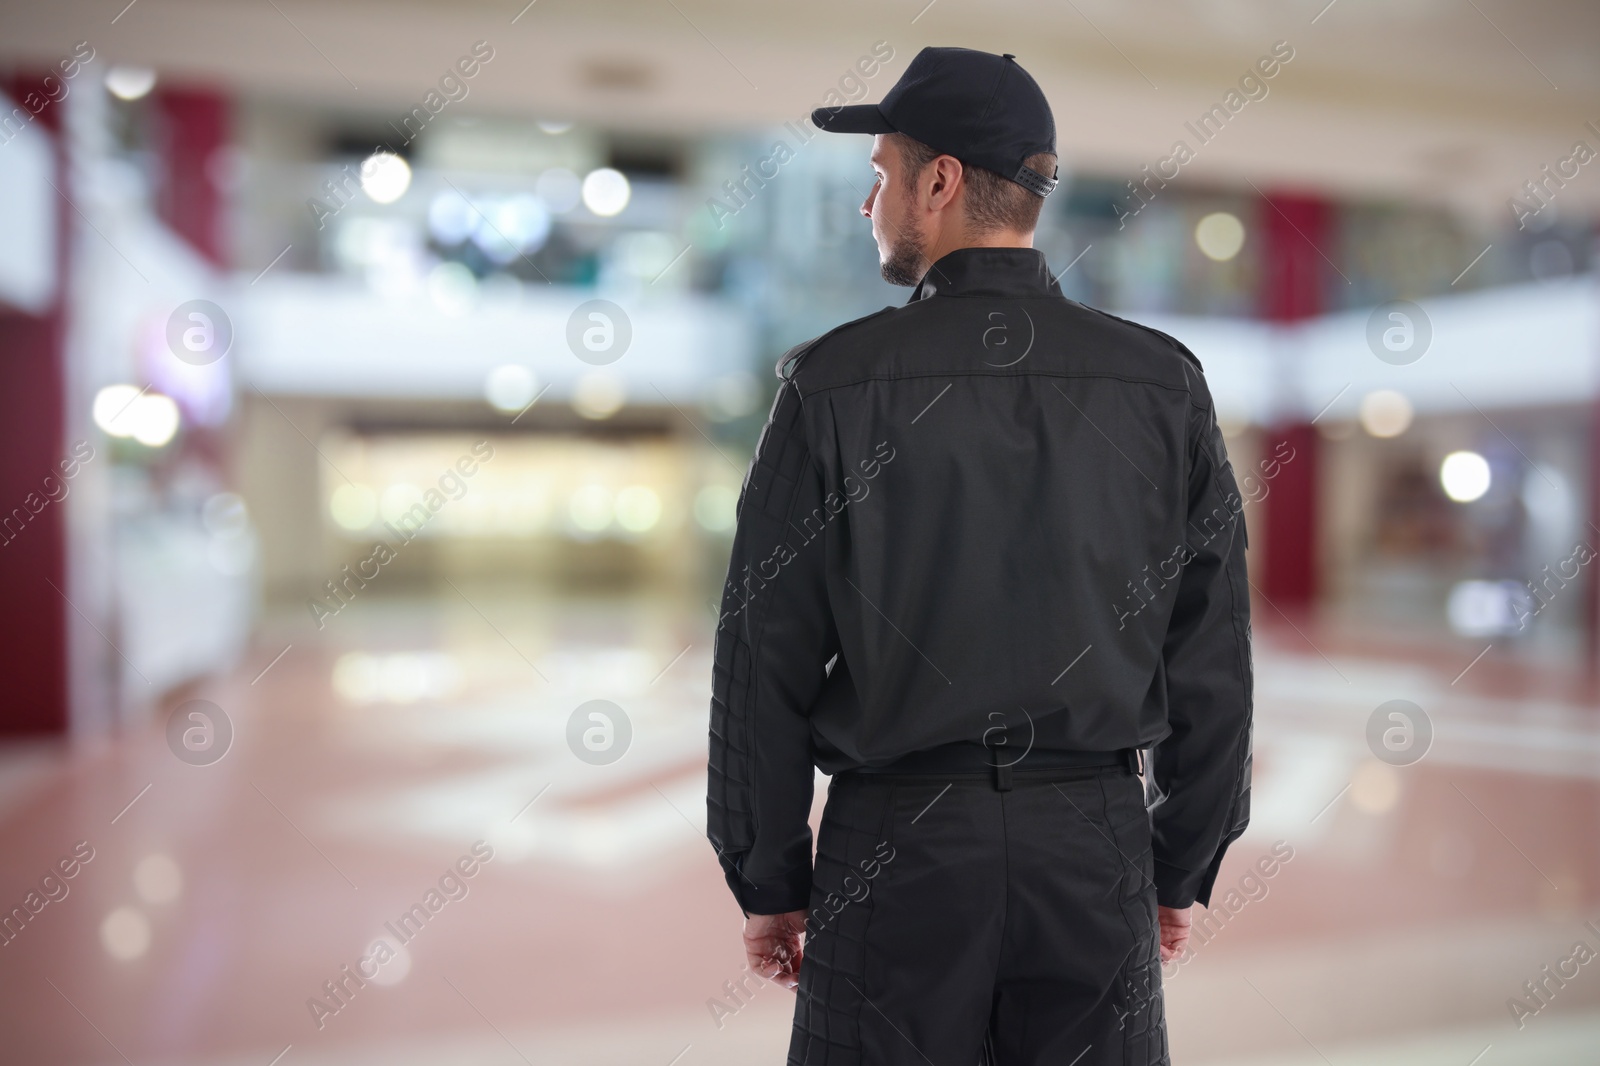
[[943, 246]]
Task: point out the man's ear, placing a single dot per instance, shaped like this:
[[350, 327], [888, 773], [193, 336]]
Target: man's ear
[[946, 180]]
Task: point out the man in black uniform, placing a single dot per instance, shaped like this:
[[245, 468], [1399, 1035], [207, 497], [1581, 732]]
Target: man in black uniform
[[989, 554]]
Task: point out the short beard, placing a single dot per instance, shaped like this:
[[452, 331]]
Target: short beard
[[906, 264]]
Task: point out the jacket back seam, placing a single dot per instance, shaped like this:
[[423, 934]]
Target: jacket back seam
[[1030, 374]]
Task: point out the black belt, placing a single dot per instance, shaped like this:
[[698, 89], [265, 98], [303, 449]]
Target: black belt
[[958, 759]]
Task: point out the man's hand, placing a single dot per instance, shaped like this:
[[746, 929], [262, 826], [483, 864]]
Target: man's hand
[[773, 946], [1174, 930]]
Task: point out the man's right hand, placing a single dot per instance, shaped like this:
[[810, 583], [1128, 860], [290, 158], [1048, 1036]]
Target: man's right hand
[[774, 946], [1174, 924]]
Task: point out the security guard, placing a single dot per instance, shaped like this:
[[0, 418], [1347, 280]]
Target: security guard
[[989, 555]]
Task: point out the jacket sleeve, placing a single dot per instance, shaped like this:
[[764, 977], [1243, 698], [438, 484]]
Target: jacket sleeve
[[1200, 773], [774, 636]]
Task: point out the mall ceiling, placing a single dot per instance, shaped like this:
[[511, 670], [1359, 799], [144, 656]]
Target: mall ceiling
[[1456, 101]]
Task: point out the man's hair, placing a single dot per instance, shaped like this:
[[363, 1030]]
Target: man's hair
[[993, 201]]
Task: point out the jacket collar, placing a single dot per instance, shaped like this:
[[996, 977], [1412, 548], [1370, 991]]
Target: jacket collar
[[988, 272]]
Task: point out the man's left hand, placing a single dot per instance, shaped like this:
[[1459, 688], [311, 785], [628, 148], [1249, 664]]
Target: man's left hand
[[1174, 922]]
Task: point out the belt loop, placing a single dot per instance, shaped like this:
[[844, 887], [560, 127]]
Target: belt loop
[[1134, 759], [1002, 777]]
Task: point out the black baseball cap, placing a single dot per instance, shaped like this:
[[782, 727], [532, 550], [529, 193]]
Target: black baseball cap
[[981, 108]]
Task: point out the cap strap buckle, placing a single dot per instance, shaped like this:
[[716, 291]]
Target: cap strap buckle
[[1034, 181]]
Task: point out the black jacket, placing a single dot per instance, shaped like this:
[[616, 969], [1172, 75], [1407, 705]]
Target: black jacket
[[992, 508]]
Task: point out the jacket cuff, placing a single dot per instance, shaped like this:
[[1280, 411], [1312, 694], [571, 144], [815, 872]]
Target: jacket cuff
[[772, 897], [1179, 888]]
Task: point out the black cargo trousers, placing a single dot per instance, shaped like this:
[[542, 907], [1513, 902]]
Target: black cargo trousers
[[956, 921]]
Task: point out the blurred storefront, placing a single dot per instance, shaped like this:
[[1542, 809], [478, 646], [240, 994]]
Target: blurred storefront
[[419, 291]]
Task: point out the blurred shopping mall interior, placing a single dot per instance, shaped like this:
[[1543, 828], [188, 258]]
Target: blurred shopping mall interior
[[379, 381]]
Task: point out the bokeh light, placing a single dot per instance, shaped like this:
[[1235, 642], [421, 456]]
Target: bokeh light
[[453, 288], [606, 192], [638, 508], [130, 83], [599, 394], [1385, 413], [510, 387], [125, 933], [353, 506], [1464, 476], [714, 507], [592, 508], [110, 409], [1219, 235], [158, 879], [385, 177]]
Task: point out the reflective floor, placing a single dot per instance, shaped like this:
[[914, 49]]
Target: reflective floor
[[409, 776]]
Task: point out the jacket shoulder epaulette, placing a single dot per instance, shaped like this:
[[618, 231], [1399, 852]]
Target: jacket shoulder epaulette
[[790, 360]]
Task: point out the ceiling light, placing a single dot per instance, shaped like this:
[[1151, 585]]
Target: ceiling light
[[1220, 235], [130, 83], [385, 177], [1464, 476], [111, 406], [1385, 413], [606, 192], [510, 387], [154, 419]]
